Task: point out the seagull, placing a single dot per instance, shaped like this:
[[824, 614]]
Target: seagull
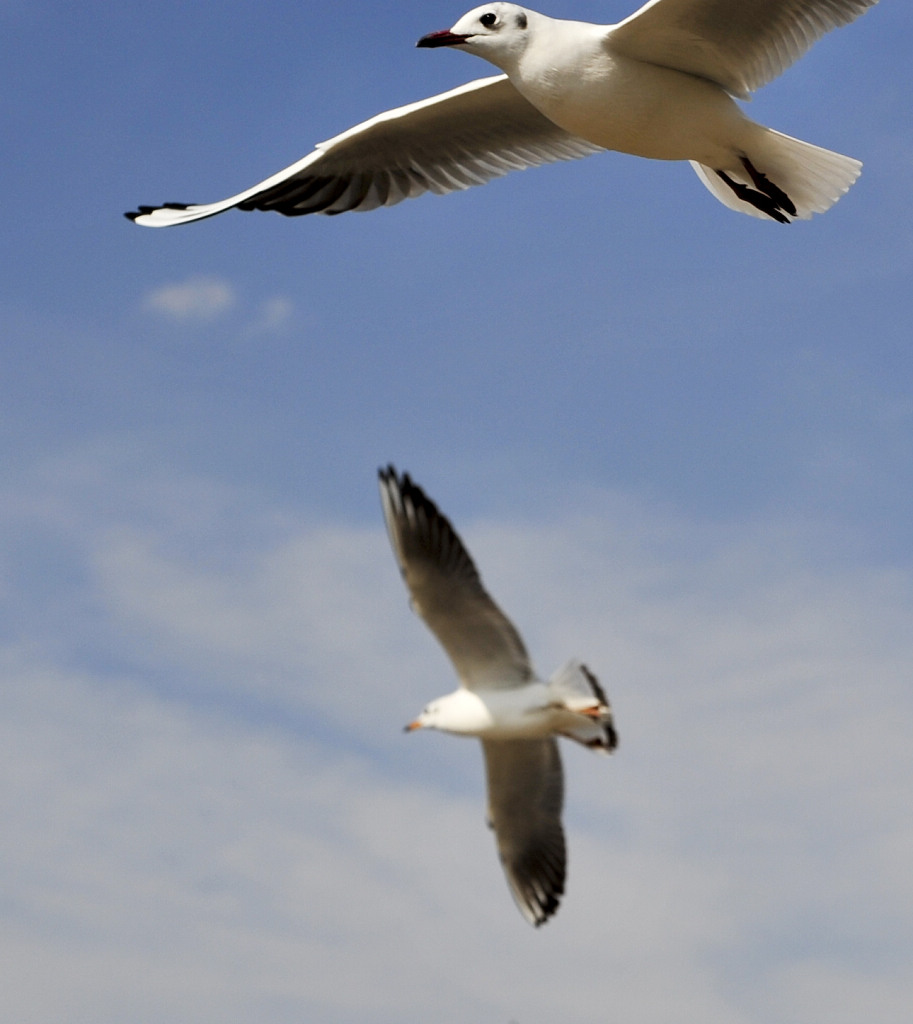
[[661, 84], [500, 699]]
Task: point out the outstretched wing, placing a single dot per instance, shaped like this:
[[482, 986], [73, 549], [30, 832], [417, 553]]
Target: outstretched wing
[[454, 140], [525, 796], [741, 44], [447, 591]]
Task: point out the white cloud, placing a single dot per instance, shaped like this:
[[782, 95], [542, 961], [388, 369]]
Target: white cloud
[[197, 298], [204, 299], [231, 825], [274, 314]]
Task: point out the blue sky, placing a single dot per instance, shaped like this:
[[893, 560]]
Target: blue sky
[[679, 442]]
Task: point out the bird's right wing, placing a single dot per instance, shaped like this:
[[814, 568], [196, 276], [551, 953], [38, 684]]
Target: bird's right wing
[[446, 590], [464, 137], [741, 44], [525, 795]]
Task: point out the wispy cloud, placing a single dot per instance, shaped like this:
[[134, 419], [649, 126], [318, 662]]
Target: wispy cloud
[[196, 299], [274, 314], [207, 299]]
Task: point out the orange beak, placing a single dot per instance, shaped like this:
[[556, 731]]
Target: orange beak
[[412, 726]]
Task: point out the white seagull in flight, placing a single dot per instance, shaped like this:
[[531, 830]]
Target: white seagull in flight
[[500, 699], [659, 84]]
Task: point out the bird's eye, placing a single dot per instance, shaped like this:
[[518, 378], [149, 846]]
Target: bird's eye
[[488, 19]]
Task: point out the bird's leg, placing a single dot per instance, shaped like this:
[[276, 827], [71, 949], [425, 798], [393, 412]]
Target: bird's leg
[[763, 184], [760, 200], [597, 711]]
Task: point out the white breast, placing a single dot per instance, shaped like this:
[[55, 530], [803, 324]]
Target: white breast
[[631, 106]]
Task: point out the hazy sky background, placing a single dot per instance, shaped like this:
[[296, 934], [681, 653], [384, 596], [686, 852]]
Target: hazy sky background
[[679, 442]]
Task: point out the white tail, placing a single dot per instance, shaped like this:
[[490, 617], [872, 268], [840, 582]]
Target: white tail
[[575, 688], [812, 177]]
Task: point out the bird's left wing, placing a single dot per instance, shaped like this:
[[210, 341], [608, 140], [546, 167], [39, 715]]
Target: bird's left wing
[[741, 44], [464, 137], [525, 795], [446, 589]]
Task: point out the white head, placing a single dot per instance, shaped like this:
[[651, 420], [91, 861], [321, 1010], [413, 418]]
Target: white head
[[460, 712], [498, 32]]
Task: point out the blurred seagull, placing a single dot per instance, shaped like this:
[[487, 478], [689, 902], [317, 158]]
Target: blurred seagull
[[500, 699], [659, 84]]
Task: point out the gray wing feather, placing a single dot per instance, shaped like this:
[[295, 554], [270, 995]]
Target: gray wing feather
[[446, 589], [451, 141], [741, 44], [525, 798]]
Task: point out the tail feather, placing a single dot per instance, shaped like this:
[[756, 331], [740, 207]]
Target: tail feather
[[574, 688], [812, 177]]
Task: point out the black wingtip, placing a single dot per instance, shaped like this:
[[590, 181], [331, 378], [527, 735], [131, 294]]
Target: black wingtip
[[141, 212], [144, 211], [402, 482], [409, 491], [544, 907]]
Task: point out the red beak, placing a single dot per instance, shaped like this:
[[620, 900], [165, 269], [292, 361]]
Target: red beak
[[445, 38]]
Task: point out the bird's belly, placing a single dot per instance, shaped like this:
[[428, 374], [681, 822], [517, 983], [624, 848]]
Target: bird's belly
[[533, 724], [518, 714], [642, 109]]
